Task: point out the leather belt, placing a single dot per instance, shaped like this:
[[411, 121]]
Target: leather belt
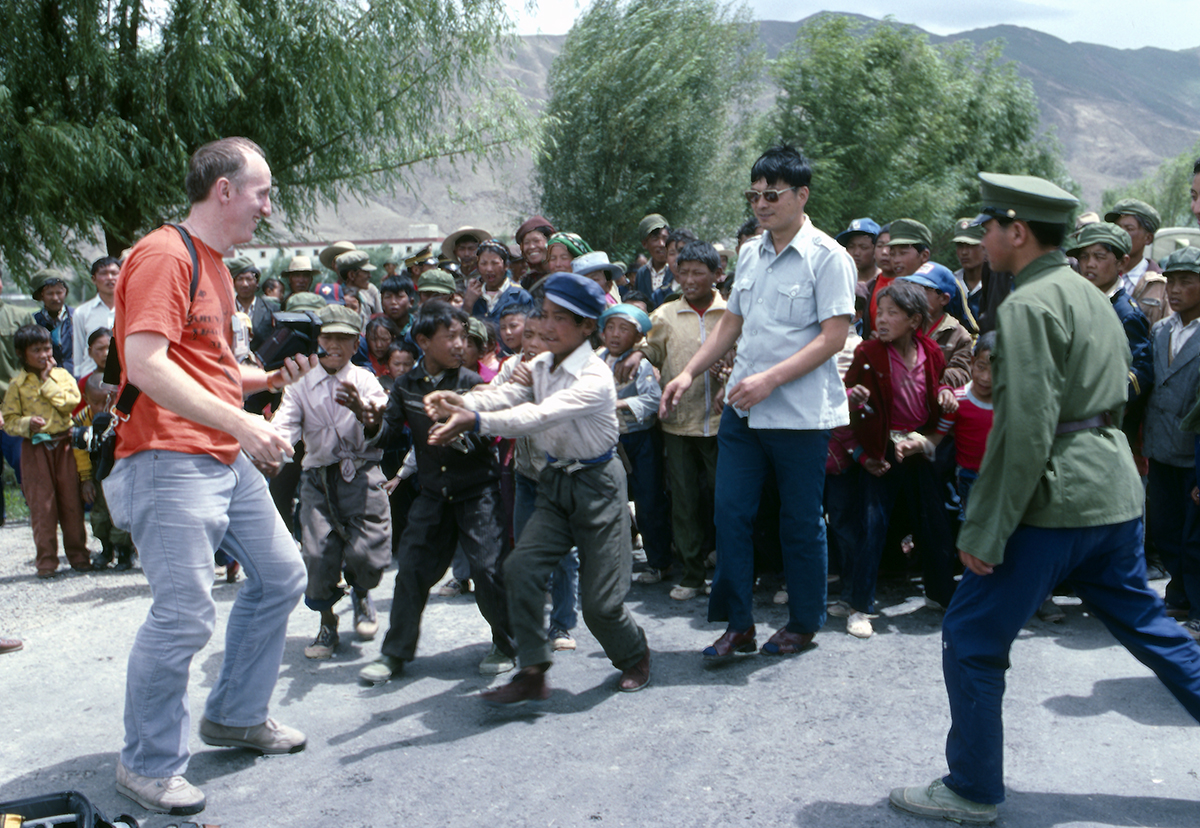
[[1099, 421], [572, 466]]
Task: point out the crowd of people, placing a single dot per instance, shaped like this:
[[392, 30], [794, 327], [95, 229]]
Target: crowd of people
[[799, 411]]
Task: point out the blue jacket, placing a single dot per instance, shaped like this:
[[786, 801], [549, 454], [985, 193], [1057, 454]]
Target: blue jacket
[[512, 295], [642, 283], [62, 335]]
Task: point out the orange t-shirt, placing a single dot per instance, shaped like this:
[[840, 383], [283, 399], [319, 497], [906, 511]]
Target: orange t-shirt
[[153, 296]]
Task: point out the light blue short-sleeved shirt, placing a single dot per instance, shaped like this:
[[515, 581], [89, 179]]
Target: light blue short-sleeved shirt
[[782, 299]]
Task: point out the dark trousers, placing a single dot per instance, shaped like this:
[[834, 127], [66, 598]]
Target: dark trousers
[[10, 449], [50, 481], [744, 457], [435, 528], [915, 485], [843, 493], [586, 510], [1173, 519], [645, 452], [1106, 568], [690, 462], [285, 487], [344, 525]]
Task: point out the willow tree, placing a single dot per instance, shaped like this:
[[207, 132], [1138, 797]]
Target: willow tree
[[102, 101], [649, 101]]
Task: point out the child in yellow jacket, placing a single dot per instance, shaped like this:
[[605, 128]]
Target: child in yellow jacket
[[37, 407]]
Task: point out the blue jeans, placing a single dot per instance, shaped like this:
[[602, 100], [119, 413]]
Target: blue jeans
[[564, 581], [1106, 568], [180, 508], [744, 456]]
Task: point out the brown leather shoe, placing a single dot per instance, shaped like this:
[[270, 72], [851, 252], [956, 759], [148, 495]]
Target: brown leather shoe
[[636, 677], [732, 642], [787, 643], [529, 685]]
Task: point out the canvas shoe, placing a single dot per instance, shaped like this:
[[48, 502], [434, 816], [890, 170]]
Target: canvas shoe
[[561, 639], [270, 737], [936, 801], [171, 795], [366, 621], [381, 669], [324, 644], [859, 625], [495, 663], [839, 609], [683, 593], [650, 576]]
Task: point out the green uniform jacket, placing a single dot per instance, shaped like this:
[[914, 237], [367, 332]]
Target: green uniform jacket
[[11, 318], [1061, 357]]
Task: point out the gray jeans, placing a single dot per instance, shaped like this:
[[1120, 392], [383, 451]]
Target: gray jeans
[[180, 508]]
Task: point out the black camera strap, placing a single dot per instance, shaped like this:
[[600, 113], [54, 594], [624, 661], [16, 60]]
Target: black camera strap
[[112, 368]]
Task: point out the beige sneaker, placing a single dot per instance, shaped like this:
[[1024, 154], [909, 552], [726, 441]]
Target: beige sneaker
[[324, 645], [936, 801], [650, 576], [172, 795], [682, 593], [270, 737], [859, 626], [495, 663], [366, 620]]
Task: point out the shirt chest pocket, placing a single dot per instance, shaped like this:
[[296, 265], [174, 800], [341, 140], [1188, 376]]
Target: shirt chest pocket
[[794, 304]]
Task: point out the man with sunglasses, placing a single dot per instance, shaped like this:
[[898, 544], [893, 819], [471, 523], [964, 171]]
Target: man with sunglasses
[[789, 311]]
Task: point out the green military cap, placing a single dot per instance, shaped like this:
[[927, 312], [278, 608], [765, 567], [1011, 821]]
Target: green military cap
[[651, 224], [339, 319], [436, 281], [353, 260], [44, 278], [306, 301], [967, 232], [1183, 260], [1024, 197], [330, 253], [241, 264], [1100, 232], [909, 231], [476, 329], [1140, 210]]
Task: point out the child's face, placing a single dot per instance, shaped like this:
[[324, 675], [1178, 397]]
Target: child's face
[[98, 351], [512, 331], [492, 269], [620, 335], [350, 300], [695, 280], [378, 341], [561, 333], [444, 350], [937, 300], [892, 323], [400, 363], [396, 306], [1183, 293], [275, 291], [559, 259], [339, 347], [531, 340], [673, 249], [981, 375], [472, 351], [970, 256], [1100, 266], [39, 356], [906, 259], [96, 399], [883, 253]]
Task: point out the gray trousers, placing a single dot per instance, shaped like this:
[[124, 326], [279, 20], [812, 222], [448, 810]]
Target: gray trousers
[[343, 526], [588, 510]]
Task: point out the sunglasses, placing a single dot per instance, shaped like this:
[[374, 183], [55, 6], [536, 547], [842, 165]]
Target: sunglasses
[[770, 196]]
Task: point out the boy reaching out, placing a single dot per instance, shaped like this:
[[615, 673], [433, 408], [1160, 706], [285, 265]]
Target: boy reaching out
[[571, 406]]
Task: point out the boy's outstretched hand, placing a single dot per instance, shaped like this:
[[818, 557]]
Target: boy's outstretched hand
[[441, 404], [459, 420], [673, 393]]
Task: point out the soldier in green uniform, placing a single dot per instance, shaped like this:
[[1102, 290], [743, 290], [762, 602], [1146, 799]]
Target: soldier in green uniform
[[1058, 497]]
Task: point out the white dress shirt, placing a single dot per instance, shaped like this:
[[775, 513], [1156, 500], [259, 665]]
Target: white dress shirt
[[91, 316]]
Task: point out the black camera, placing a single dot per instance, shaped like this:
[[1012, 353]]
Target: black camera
[[293, 334]]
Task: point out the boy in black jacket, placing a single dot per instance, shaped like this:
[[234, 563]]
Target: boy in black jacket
[[459, 501]]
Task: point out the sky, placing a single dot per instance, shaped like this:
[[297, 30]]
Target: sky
[[1166, 24]]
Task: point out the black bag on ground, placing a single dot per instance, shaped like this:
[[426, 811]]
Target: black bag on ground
[[69, 809]]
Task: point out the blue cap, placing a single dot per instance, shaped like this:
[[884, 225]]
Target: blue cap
[[631, 312], [578, 294], [862, 225], [936, 276]]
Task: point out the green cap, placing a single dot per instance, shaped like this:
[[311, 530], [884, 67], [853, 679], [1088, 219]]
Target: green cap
[[339, 319], [44, 278], [306, 301], [651, 224], [1140, 210], [353, 260], [967, 232], [909, 231], [476, 330], [436, 281], [241, 264], [1024, 197], [1100, 232], [1183, 260]]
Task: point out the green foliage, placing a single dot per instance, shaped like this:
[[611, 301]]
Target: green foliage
[[895, 127], [648, 105], [102, 101], [1168, 188]]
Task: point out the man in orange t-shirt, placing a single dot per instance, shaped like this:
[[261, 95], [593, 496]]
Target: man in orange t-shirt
[[186, 484]]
